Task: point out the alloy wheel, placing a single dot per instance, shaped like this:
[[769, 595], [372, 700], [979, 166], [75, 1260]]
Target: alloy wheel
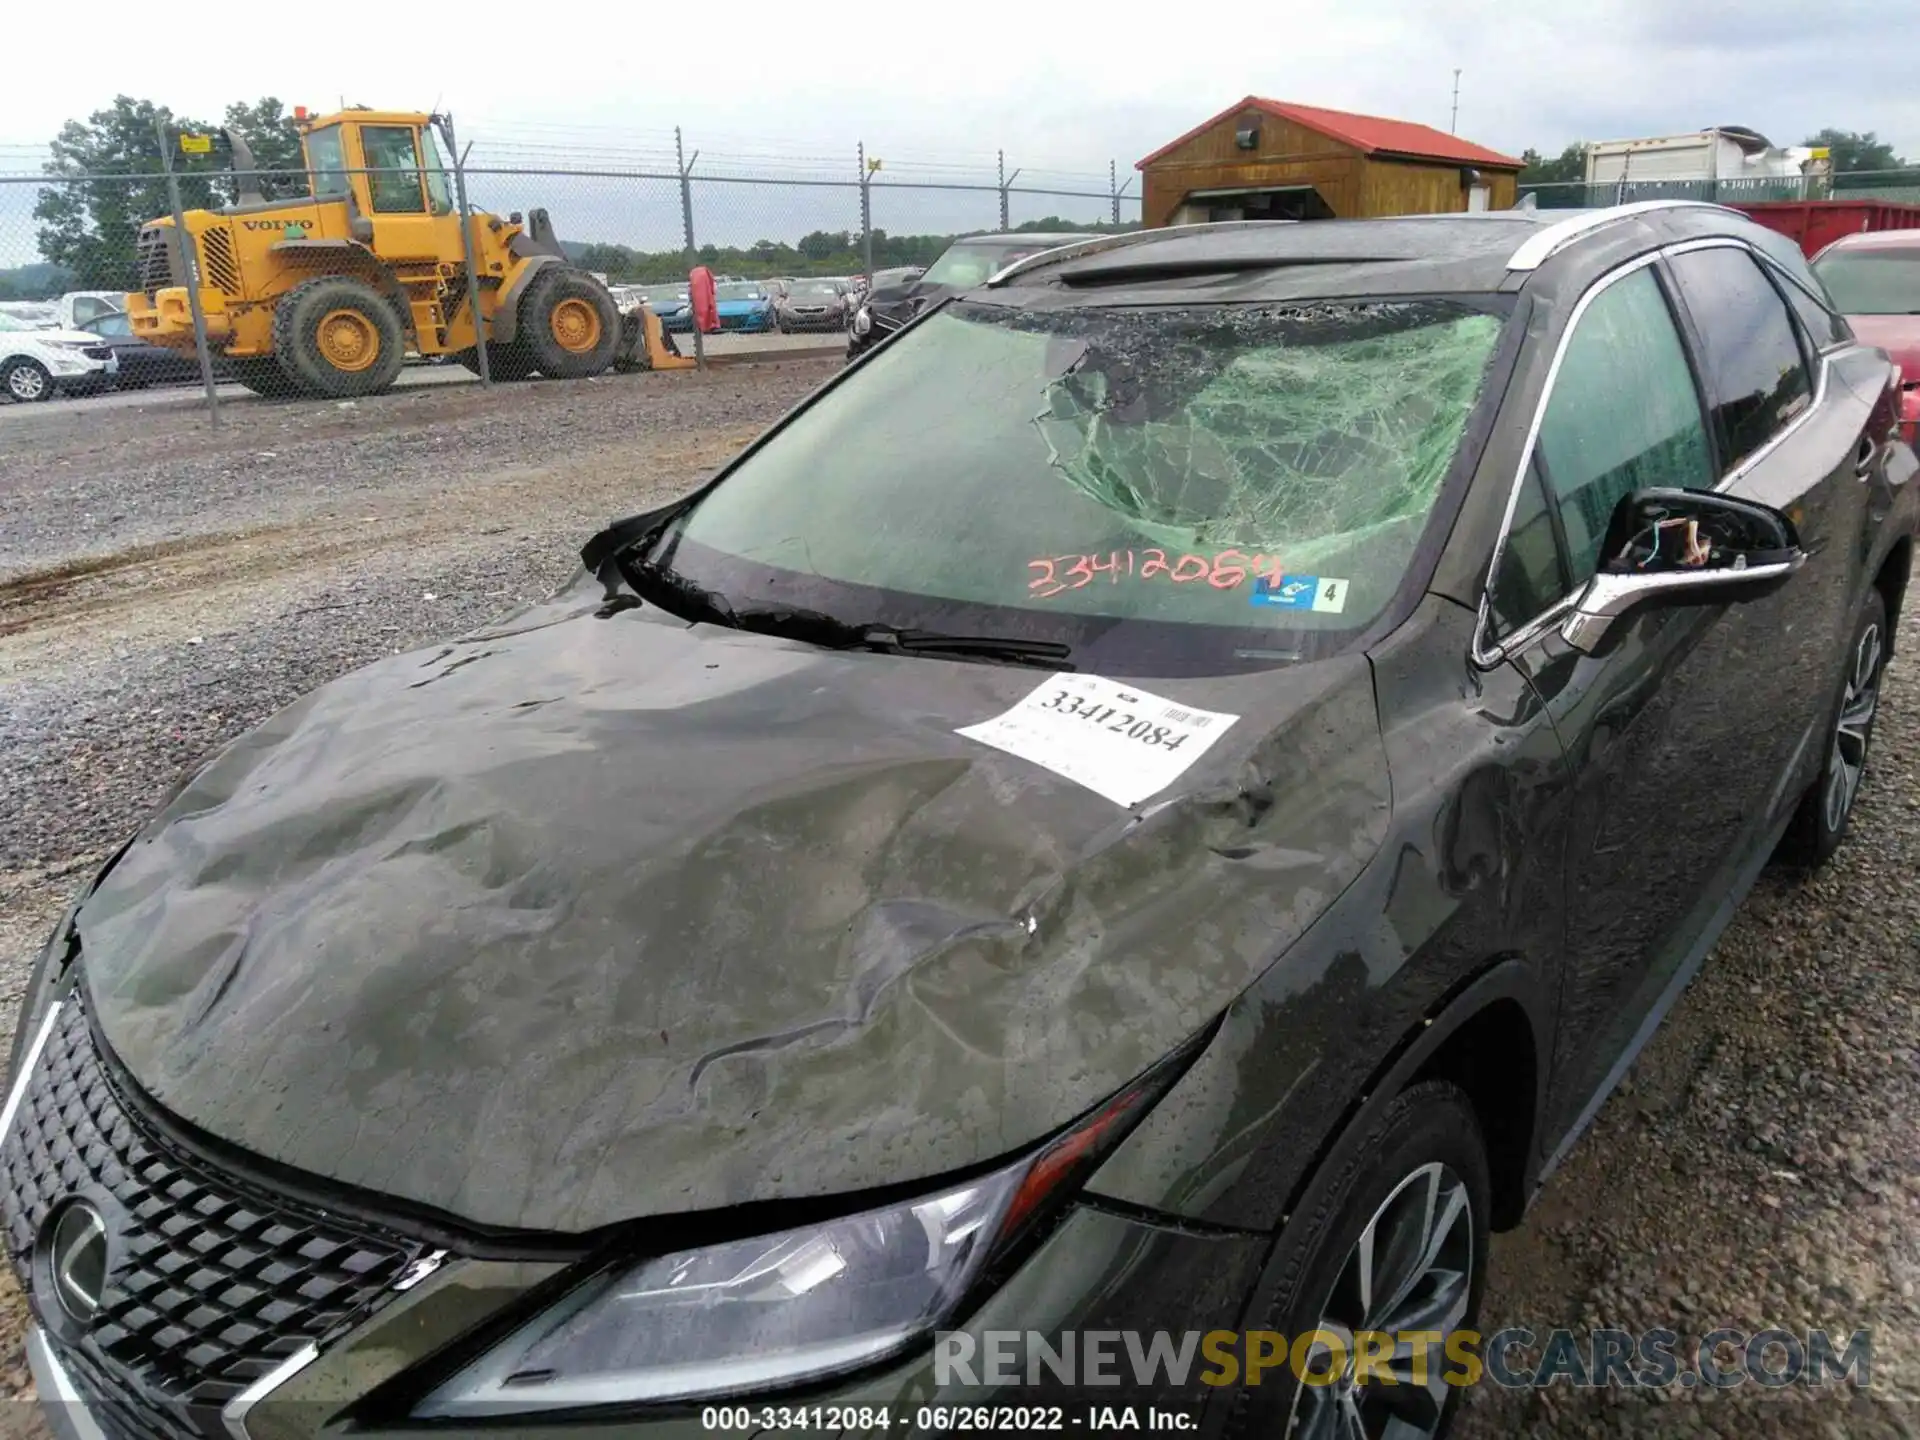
[[1411, 1271], [1853, 729], [26, 382]]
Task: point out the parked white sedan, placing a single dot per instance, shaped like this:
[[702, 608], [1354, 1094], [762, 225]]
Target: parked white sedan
[[35, 363]]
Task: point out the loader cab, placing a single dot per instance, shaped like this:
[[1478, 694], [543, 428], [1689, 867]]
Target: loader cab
[[387, 163]]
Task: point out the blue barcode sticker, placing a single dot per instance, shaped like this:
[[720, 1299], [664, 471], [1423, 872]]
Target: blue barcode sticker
[[1324, 593]]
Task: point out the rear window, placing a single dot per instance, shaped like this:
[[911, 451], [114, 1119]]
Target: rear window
[[1872, 282], [1237, 467]]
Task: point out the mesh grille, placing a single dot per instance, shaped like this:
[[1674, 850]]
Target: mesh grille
[[152, 260], [217, 248], [212, 1282]]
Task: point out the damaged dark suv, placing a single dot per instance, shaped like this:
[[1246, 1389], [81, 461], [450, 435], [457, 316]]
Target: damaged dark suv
[[1161, 803]]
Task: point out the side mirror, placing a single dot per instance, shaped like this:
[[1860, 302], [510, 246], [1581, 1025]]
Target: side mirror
[[1682, 547]]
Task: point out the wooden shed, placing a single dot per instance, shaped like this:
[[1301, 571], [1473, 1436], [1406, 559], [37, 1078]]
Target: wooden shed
[[1271, 160]]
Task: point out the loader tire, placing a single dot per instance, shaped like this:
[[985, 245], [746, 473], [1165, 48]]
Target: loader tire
[[261, 374], [338, 338], [504, 362], [569, 324]]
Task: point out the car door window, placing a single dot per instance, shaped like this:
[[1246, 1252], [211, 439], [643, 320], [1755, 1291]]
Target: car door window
[[89, 308], [1756, 377], [1824, 327], [1624, 415], [393, 166], [327, 163], [1532, 574]]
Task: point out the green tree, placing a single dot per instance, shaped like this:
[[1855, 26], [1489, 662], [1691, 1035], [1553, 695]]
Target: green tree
[[1854, 150], [108, 181], [108, 172], [269, 133], [1559, 178], [824, 244]]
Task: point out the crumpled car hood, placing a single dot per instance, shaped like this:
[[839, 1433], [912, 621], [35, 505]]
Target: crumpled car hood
[[580, 919]]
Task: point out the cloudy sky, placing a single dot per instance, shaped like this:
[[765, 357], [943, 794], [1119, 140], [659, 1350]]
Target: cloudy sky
[[936, 89], [1057, 85]]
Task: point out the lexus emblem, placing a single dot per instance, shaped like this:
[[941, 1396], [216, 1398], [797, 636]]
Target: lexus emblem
[[77, 1256]]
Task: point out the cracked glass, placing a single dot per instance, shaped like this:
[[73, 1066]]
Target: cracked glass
[[1220, 464]]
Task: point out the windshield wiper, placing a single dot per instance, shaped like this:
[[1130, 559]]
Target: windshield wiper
[[813, 627]]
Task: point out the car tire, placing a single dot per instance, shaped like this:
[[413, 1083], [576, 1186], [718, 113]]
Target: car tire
[[1820, 823], [569, 325], [26, 381], [339, 338], [1418, 1168]]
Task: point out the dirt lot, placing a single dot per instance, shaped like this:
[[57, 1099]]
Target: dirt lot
[[164, 586]]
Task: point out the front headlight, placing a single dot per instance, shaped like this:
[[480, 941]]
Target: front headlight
[[777, 1311], [773, 1310], [862, 321]]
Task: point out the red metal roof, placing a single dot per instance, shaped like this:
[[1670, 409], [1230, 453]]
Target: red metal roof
[[1372, 134]]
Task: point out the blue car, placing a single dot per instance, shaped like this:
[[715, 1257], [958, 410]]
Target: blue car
[[744, 305]]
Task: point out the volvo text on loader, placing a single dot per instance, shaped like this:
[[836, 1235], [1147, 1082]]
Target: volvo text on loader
[[326, 293]]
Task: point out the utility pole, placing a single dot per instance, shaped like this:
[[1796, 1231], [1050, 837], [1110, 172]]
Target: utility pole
[[1453, 120], [1113, 188]]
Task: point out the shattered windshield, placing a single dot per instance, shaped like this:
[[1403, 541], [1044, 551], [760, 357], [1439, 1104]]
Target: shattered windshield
[[1247, 466]]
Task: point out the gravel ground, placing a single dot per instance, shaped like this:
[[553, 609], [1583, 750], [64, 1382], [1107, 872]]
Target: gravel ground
[[164, 586]]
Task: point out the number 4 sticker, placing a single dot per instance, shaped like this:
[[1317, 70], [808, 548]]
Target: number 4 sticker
[[1330, 596]]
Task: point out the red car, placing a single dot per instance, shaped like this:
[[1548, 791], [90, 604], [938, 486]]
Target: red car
[[1874, 279]]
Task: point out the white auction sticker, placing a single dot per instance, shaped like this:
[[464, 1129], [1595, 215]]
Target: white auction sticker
[[1114, 739]]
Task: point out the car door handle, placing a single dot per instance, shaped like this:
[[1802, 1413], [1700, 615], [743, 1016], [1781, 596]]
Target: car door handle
[[1864, 457]]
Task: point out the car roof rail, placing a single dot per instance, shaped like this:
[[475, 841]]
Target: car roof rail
[[1536, 248], [1076, 249]]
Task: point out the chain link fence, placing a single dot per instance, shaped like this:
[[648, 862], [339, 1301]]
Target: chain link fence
[[1894, 185], [94, 299], [356, 277]]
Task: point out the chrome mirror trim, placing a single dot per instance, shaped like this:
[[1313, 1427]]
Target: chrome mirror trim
[[1608, 597]]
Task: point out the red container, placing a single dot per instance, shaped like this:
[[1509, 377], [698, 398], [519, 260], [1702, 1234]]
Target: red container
[[1815, 224]]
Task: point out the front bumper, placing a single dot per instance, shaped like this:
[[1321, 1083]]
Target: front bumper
[[209, 1327], [816, 320], [165, 317]]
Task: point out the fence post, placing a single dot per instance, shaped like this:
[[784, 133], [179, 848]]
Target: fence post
[[190, 263], [1113, 188], [1006, 181], [480, 361], [866, 214], [693, 255]]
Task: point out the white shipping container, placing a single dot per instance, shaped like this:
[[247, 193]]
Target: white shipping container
[[1722, 153]]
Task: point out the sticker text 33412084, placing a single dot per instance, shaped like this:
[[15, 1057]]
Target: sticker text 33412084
[[1116, 721]]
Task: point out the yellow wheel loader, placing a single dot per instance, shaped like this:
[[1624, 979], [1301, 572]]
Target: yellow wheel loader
[[326, 294]]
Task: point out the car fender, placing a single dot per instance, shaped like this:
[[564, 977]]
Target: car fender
[[1278, 1152], [503, 325]]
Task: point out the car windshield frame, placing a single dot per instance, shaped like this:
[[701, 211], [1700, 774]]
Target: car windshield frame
[[1120, 645], [739, 290], [1901, 264]]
